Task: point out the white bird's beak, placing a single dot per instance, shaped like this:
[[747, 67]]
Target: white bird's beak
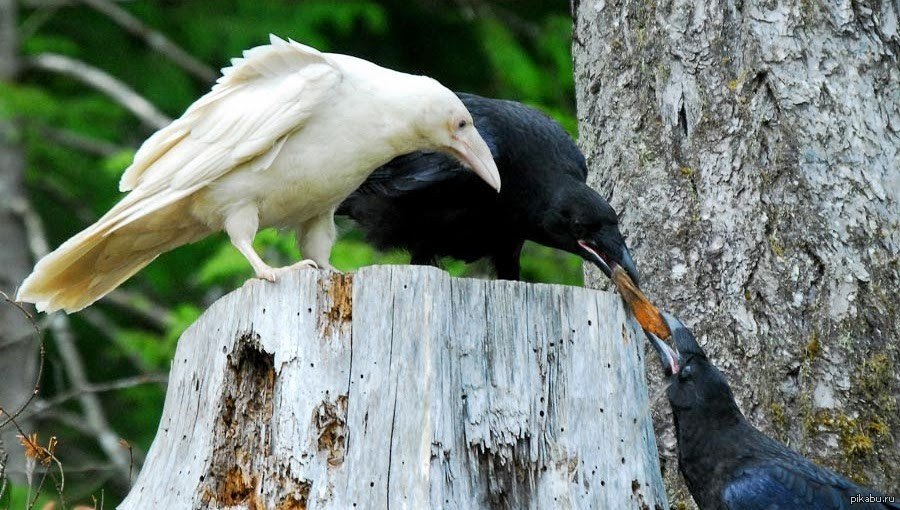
[[472, 151]]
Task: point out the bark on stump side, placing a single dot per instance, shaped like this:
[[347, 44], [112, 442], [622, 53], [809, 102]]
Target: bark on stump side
[[403, 387]]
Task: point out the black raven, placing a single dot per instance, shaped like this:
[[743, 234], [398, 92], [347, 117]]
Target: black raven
[[413, 202], [727, 463]]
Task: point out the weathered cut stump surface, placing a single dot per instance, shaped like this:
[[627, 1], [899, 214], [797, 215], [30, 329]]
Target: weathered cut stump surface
[[403, 387]]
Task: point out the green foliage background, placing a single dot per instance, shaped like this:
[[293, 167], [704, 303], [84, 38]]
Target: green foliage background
[[513, 49]]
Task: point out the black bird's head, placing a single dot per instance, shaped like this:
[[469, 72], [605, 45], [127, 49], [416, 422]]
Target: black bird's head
[[580, 221], [695, 384]]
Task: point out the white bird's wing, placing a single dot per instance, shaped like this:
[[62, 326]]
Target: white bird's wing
[[243, 122], [256, 103]]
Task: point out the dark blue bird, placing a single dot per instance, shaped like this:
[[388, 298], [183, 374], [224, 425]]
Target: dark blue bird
[[429, 204], [727, 463]]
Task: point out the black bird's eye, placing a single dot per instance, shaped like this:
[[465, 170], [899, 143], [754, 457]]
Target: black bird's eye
[[463, 123], [686, 372]]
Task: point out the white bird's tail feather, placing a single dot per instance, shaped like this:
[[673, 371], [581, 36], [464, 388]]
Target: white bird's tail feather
[[242, 122], [97, 260]]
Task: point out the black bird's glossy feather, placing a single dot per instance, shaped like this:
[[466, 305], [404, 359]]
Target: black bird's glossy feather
[[727, 463], [431, 206]]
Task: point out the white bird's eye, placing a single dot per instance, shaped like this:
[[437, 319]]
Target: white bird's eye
[[463, 123]]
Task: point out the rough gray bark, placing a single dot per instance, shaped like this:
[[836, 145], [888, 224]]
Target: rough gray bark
[[402, 387], [753, 147], [18, 345]]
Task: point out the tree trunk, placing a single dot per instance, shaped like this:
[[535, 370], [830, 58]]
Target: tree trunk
[[403, 387], [18, 343], [753, 147]]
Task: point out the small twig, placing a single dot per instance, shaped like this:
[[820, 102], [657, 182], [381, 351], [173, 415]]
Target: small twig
[[37, 384], [120, 384], [32, 499], [34, 229], [93, 411], [35, 453], [65, 342], [42, 325], [104, 82]]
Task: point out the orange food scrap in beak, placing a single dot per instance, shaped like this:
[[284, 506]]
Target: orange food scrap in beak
[[647, 315]]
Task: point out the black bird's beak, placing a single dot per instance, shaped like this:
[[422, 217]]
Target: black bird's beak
[[608, 260], [667, 356], [685, 345], [682, 337]]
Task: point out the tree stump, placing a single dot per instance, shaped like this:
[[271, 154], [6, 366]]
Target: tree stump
[[399, 386]]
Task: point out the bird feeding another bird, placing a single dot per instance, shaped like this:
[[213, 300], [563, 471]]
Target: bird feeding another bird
[[282, 138], [647, 315], [726, 462], [729, 464], [409, 202]]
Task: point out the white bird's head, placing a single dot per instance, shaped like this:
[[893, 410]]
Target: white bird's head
[[444, 124]]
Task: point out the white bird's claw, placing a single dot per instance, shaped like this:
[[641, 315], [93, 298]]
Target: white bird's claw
[[328, 267], [272, 274], [266, 274], [304, 264]]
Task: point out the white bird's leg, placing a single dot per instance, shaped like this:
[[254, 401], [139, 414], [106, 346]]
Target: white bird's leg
[[241, 225], [316, 238]]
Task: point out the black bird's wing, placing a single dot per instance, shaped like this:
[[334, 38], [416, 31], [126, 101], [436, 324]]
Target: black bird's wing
[[792, 484], [430, 205], [421, 170], [426, 203], [413, 172]]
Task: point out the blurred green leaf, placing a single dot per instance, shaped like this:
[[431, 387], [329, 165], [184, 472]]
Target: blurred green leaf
[[18, 496], [512, 65], [50, 43], [116, 164], [26, 101]]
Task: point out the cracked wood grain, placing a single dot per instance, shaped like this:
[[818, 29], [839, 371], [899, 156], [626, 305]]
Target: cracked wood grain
[[401, 387]]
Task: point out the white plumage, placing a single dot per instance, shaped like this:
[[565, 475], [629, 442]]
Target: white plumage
[[286, 133]]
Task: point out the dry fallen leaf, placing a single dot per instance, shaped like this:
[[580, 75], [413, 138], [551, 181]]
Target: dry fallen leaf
[[36, 452], [32, 449], [647, 315]]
